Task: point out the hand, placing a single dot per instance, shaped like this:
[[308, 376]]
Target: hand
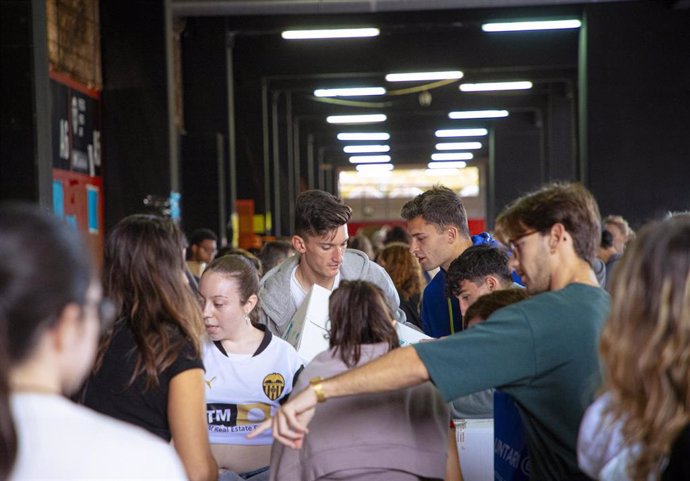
[[290, 421]]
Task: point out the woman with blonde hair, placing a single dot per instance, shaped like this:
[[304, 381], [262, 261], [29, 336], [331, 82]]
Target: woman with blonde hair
[[640, 428], [148, 370], [404, 269]]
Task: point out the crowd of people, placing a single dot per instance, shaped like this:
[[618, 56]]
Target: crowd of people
[[171, 362]]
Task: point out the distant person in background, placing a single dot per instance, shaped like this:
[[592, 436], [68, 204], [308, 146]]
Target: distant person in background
[[52, 312], [620, 230], [275, 252], [362, 243], [639, 429], [148, 370], [396, 234], [437, 223], [608, 255], [201, 249], [406, 274], [400, 436]]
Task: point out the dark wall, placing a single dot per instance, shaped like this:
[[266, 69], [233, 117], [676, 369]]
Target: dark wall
[[135, 138], [19, 169], [638, 108]]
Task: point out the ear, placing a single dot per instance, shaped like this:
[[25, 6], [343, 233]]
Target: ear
[[556, 235], [452, 233], [68, 328], [492, 282], [299, 244], [250, 304]]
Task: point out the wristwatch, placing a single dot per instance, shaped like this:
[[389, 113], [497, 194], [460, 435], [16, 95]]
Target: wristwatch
[[317, 384]]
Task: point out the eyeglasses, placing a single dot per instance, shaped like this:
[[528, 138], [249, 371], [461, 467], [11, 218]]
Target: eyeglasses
[[515, 244]]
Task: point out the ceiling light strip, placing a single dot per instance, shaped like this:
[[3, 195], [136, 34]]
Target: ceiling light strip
[[355, 119], [330, 33], [478, 114], [492, 86], [350, 92], [364, 136], [424, 76], [461, 133], [531, 25]]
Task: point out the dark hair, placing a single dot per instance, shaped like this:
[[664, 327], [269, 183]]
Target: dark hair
[[362, 243], [196, 238], [359, 315], [237, 251], [487, 304], [144, 278], [318, 212], [438, 205], [645, 343], [474, 264], [396, 234], [241, 269], [44, 265], [570, 204], [403, 268], [606, 239], [200, 235], [274, 252]]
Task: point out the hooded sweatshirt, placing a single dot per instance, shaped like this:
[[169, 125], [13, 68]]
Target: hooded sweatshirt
[[278, 306]]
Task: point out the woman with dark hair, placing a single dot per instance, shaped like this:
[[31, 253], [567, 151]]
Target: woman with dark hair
[[401, 435], [149, 370], [248, 370], [51, 314], [404, 269], [640, 428]]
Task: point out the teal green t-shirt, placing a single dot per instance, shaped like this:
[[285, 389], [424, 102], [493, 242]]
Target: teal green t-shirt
[[543, 352]]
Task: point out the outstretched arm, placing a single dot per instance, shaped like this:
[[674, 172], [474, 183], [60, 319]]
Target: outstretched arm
[[398, 369]]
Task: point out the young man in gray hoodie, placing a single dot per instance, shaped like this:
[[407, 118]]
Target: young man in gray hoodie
[[322, 258]]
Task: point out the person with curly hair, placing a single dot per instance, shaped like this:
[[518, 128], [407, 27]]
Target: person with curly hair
[[640, 428], [406, 274]]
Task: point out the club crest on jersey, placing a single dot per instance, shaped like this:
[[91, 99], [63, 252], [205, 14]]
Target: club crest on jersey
[[274, 385]]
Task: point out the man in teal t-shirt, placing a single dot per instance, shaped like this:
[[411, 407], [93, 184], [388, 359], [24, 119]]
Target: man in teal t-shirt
[[542, 351]]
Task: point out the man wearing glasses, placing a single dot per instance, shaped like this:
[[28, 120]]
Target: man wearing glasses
[[542, 351]]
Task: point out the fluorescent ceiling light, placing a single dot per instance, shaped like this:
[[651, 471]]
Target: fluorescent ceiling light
[[447, 165], [478, 114], [330, 33], [489, 86], [419, 76], [441, 172], [534, 25], [459, 146], [350, 92], [355, 119], [453, 156], [365, 149], [374, 167], [369, 159], [364, 136], [461, 133]]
